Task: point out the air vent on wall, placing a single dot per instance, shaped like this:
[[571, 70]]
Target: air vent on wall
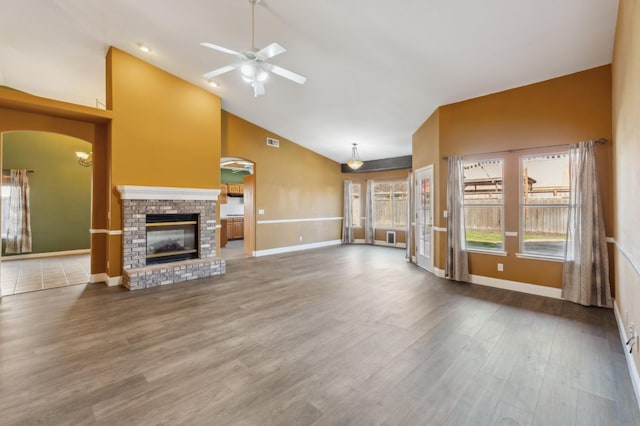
[[273, 142]]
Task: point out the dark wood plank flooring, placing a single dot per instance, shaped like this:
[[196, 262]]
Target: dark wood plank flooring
[[344, 335]]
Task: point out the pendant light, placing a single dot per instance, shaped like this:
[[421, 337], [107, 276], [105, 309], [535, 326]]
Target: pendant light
[[355, 163]]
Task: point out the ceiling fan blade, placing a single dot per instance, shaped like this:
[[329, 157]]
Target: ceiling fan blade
[[219, 71], [270, 51], [282, 72], [258, 88], [221, 49]]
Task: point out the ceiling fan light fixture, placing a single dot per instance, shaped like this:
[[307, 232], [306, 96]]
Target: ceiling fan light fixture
[[248, 69], [355, 163], [253, 65], [262, 75]]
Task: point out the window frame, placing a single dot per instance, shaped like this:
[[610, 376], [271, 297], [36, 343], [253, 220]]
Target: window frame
[[393, 200], [485, 250], [522, 253]]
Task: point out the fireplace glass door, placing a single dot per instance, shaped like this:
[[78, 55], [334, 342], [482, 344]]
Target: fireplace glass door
[[171, 237]]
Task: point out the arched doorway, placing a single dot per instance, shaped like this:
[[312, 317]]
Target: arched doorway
[[237, 208], [57, 214], [21, 112]]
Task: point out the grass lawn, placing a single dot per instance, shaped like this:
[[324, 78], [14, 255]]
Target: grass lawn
[[494, 239]]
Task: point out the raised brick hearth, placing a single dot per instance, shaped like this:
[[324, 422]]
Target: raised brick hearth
[[137, 202]]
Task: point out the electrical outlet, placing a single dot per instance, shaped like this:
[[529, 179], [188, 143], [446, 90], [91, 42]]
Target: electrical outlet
[[300, 237], [500, 267]]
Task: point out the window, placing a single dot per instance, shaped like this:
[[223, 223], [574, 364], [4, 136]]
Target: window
[[356, 214], [544, 205], [484, 204], [390, 204]]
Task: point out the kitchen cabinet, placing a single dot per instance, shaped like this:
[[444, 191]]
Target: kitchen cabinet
[[238, 229], [223, 232], [235, 228], [224, 190], [235, 189]]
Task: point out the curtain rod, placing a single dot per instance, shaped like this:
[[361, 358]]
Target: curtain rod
[[600, 141], [8, 170]]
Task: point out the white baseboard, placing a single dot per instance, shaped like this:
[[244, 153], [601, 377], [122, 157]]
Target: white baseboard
[[49, 254], [104, 278], [633, 370], [538, 290], [300, 247], [385, 244]]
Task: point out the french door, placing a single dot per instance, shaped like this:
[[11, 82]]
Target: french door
[[424, 217]]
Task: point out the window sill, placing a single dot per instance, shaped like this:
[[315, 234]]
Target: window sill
[[539, 257], [493, 252]]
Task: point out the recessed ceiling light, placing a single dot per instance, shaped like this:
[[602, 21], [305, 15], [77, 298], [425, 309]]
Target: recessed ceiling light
[[144, 48], [213, 83]]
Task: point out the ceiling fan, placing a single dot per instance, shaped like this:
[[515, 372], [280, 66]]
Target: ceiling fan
[[253, 66]]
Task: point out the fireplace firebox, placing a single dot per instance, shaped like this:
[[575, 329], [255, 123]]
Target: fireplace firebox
[[171, 237]]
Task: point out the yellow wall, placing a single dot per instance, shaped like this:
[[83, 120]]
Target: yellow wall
[[626, 155], [563, 110], [292, 182], [165, 132]]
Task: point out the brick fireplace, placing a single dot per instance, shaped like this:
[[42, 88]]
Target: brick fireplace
[[141, 206]]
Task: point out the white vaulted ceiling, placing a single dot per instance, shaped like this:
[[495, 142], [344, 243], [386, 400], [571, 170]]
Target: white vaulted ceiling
[[375, 69]]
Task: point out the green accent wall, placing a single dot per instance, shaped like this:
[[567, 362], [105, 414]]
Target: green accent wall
[[228, 176], [60, 188]]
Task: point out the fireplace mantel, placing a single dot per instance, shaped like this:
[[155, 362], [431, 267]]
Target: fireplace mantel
[[134, 192]]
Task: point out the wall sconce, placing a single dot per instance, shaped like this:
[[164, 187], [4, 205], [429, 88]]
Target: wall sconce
[[85, 159], [355, 163]]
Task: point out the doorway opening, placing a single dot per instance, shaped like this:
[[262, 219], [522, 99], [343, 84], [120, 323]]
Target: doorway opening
[[237, 215], [46, 215]]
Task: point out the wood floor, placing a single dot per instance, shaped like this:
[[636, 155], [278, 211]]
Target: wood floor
[[344, 335]]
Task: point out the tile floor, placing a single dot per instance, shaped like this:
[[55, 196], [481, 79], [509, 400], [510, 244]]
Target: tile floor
[[22, 276], [233, 250]]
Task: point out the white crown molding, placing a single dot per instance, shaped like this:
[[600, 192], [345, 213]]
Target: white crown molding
[[133, 192]]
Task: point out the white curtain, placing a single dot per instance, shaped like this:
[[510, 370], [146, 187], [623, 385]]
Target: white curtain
[[585, 275], [19, 229], [347, 221], [457, 263], [410, 213], [368, 230]]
